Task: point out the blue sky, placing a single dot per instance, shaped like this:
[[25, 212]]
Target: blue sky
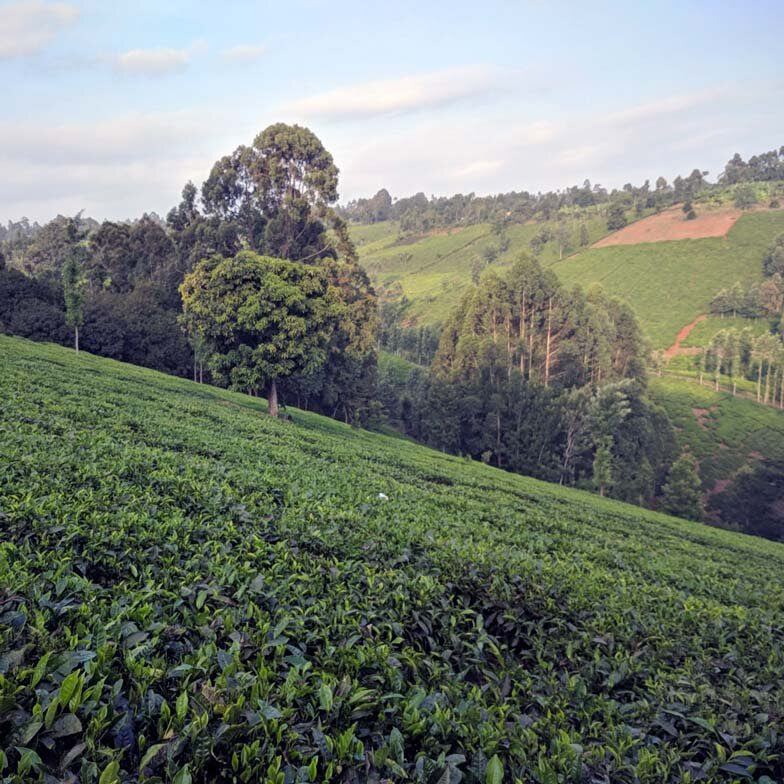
[[111, 107]]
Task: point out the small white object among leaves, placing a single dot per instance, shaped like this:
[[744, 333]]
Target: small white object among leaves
[[383, 497]]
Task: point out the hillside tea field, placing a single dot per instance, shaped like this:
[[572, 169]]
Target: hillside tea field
[[192, 592]]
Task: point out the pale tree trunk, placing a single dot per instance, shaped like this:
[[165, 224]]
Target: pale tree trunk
[[767, 385], [759, 380], [521, 336], [547, 345], [76, 339], [531, 346], [272, 400]]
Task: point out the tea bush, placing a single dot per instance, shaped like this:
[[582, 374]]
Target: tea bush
[[193, 592]]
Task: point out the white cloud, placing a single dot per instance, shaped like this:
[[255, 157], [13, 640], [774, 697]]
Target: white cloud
[[402, 95], [478, 169], [244, 53], [28, 26], [115, 168], [673, 105], [153, 62]]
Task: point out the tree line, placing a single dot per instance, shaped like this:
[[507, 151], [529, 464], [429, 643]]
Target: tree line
[[548, 381], [252, 282], [420, 213], [120, 287]]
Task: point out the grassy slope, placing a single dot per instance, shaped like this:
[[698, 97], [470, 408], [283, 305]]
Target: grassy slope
[[670, 283], [705, 331], [730, 432], [434, 270], [667, 283], [185, 548]]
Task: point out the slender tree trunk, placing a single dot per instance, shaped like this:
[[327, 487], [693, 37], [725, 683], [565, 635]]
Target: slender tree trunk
[[201, 372], [547, 345], [76, 339], [195, 365], [498, 439], [509, 346], [521, 335], [767, 385], [759, 380], [531, 347], [272, 402]]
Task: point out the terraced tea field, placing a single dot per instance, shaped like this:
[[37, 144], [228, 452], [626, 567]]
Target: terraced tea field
[[192, 592], [667, 284]]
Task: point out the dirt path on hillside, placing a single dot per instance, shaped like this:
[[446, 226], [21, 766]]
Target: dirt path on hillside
[[676, 347]]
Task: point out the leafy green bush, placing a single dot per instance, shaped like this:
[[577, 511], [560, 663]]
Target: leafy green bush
[[192, 592]]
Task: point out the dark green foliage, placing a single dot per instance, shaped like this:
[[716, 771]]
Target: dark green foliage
[[32, 308], [766, 166], [213, 596], [682, 493], [753, 500], [263, 319], [773, 263], [616, 217], [416, 344], [73, 295], [745, 197]]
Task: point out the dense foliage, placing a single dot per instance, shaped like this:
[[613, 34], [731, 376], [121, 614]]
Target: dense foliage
[[120, 281], [540, 380], [198, 593]]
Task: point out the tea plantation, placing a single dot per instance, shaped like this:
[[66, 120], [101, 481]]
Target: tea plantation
[[192, 592]]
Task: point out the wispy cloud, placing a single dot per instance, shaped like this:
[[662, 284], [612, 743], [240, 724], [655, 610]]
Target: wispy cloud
[[478, 169], [244, 53], [402, 95], [152, 62], [117, 167], [667, 107], [28, 26]]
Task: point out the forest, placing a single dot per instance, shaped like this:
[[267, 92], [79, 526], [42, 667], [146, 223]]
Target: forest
[[252, 282]]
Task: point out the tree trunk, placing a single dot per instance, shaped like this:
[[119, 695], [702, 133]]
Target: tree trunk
[[547, 347], [76, 339], [767, 385], [759, 380], [272, 400]]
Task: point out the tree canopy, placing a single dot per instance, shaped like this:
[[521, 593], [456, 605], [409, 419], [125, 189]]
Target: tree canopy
[[264, 319]]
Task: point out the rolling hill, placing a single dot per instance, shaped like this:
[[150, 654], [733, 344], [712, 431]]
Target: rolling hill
[[667, 283], [192, 591]]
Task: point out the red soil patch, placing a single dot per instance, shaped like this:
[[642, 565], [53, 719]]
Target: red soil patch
[[756, 456], [671, 225], [676, 348]]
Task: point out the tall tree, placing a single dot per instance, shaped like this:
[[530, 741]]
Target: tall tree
[[280, 192], [682, 494], [73, 293], [264, 319], [603, 465]]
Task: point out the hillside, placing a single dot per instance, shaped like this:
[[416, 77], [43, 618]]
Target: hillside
[[724, 433], [197, 591], [667, 283]]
